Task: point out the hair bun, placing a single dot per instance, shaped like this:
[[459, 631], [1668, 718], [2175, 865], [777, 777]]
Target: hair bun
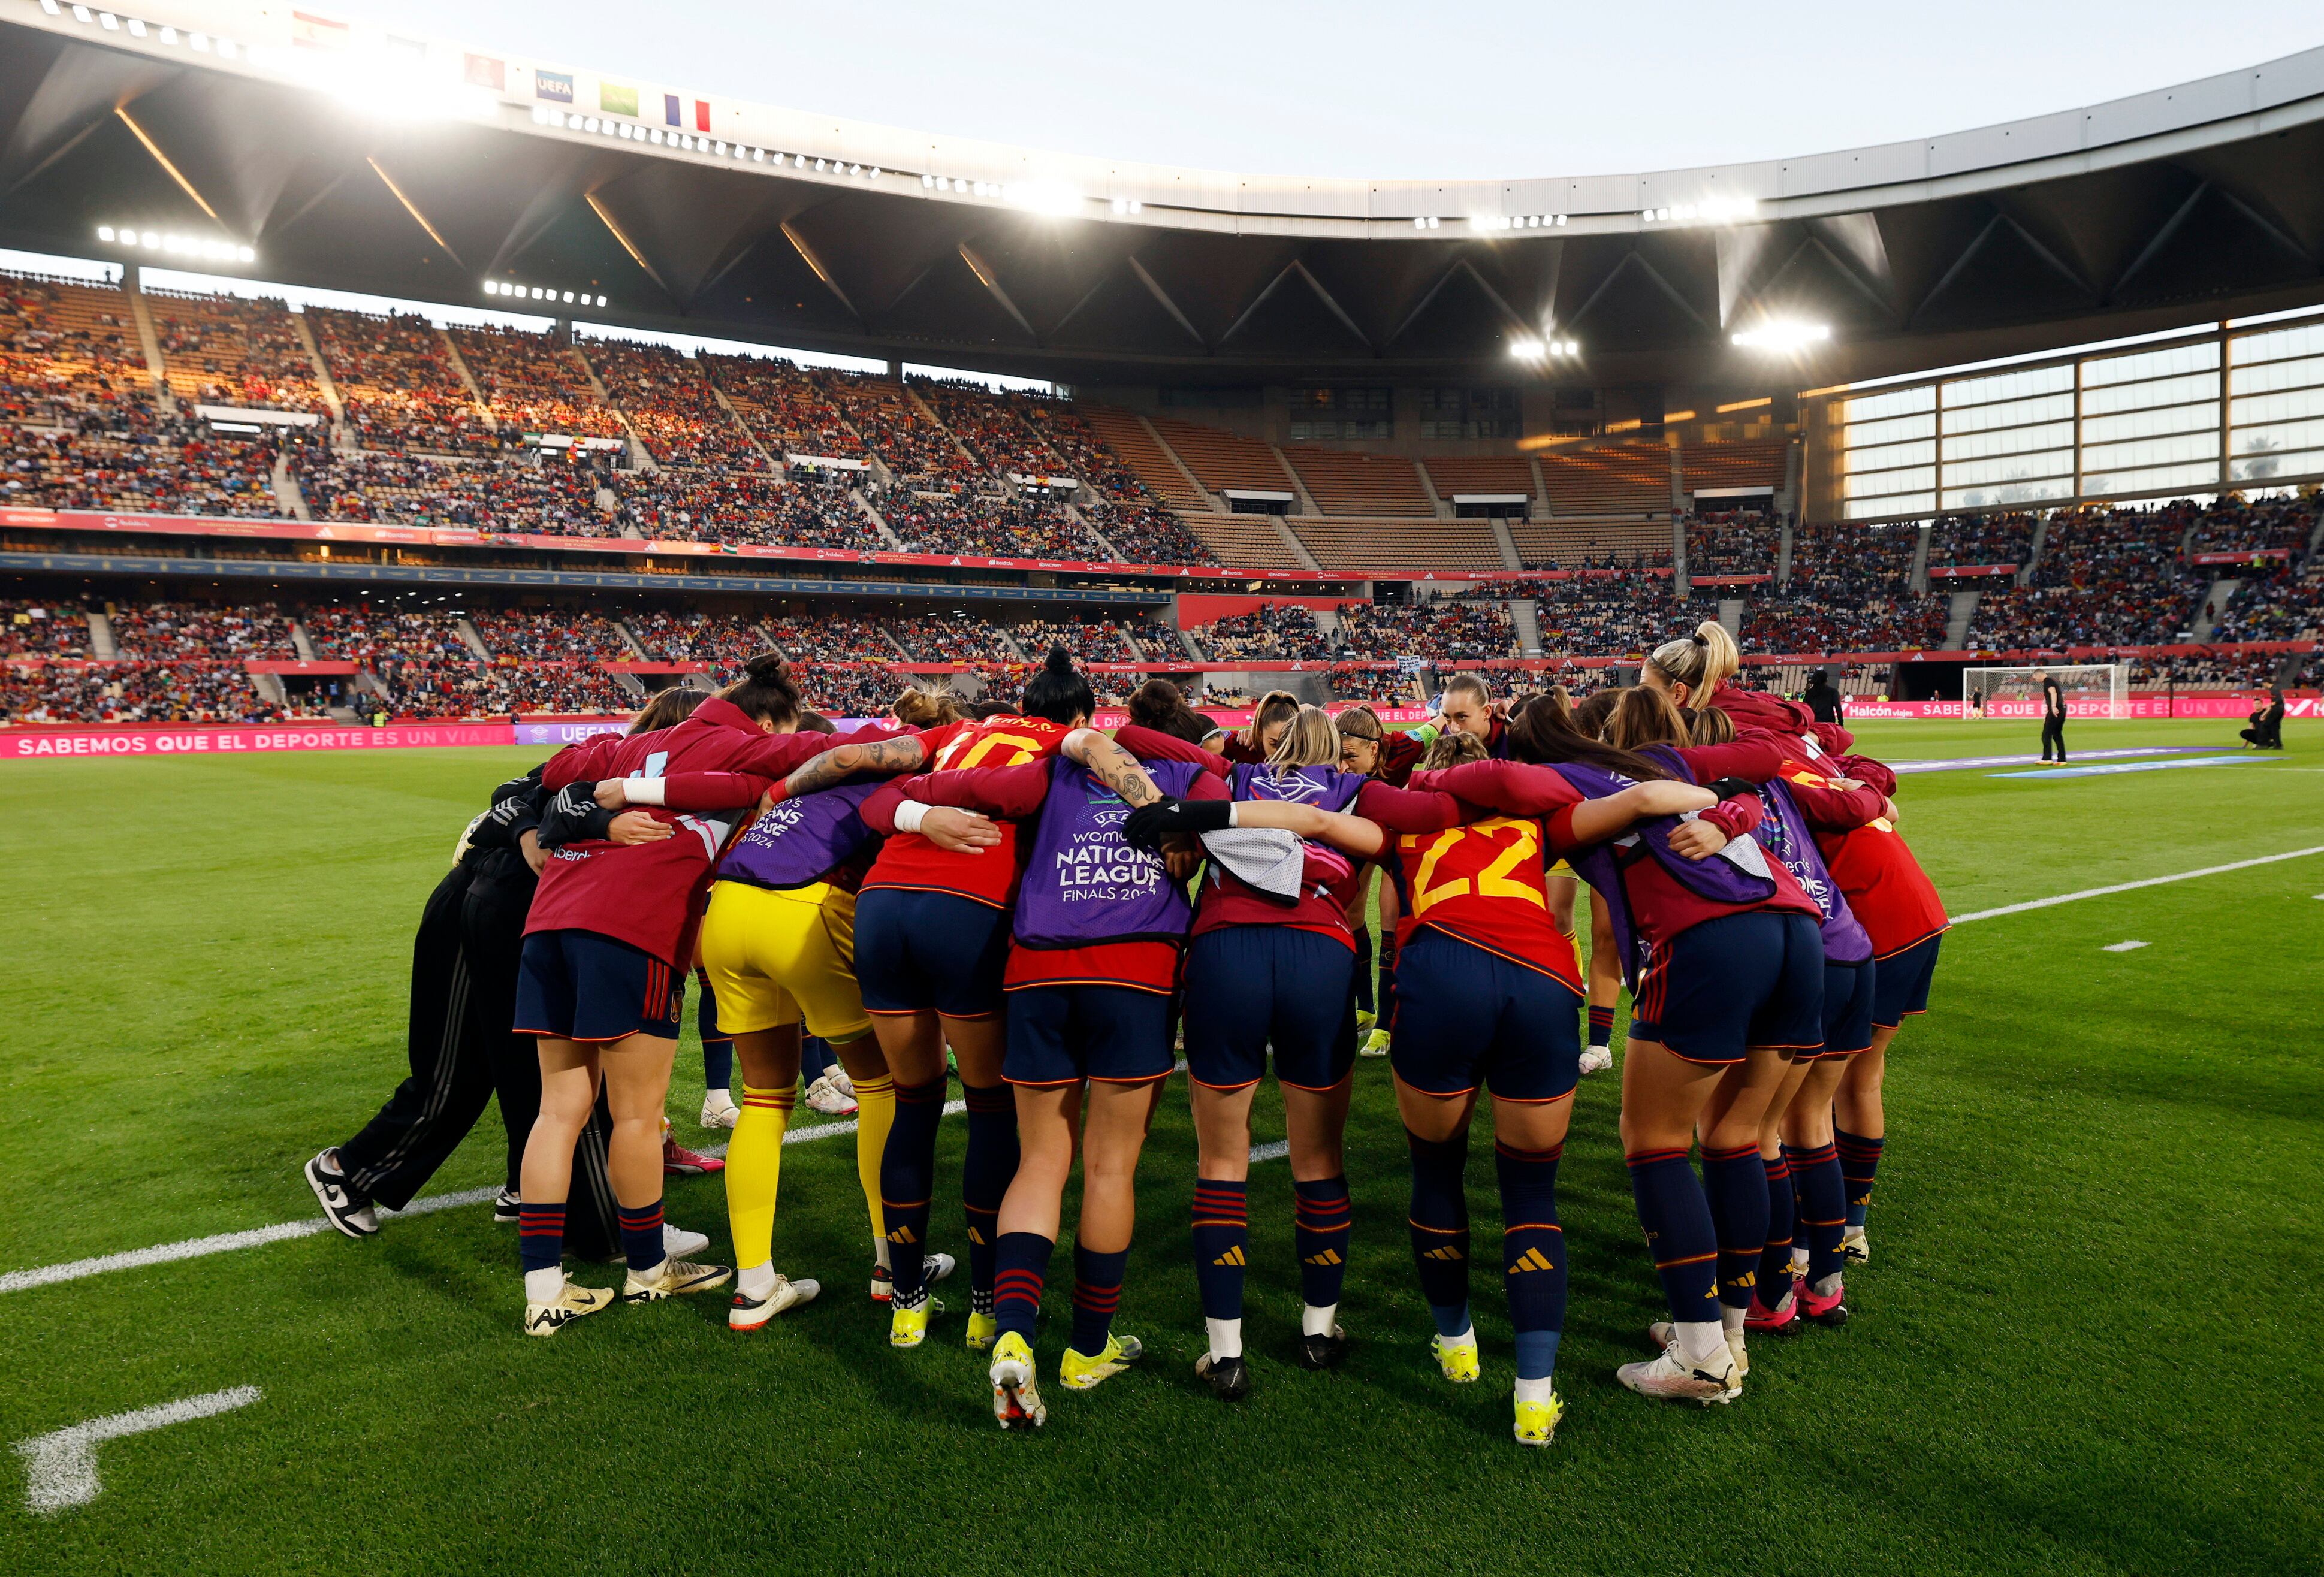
[[1059, 660], [767, 665]]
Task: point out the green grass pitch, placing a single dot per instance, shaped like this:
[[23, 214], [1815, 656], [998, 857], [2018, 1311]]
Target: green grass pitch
[[2081, 1345]]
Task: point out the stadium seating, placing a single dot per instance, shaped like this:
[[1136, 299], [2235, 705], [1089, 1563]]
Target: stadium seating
[[1747, 463], [158, 631], [552, 498], [532, 385], [1090, 640], [1270, 634], [395, 378], [826, 638], [950, 638], [227, 350], [1597, 617], [783, 407], [1503, 475], [1629, 478], [1726, 544], [1221, 459], [542, 636], [672, 408], [1968, 541], [1592, 544], [723, 640], [43, 630], [1350, 544], [1126, 437], [68, 352], [1445, 630], [689, 505], [2282, 607], [1345, 482]]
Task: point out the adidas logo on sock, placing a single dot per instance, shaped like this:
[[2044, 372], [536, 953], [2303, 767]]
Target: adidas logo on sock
[[1448, 1253], [1232, 1257], [1532, 1259], [901, 1235], [1328, 1257]]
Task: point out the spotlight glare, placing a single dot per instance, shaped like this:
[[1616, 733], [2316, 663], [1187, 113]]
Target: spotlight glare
[[1784, 335], [105, 232]]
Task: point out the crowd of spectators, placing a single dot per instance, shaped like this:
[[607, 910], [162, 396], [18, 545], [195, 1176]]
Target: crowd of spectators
[[2232, 525], [532, 384], [229, 350], [397, 384], [1090, 640], [1601, 617], [1851, 565], [671, 407], [69, 352], [962, 637], [539, 635], [784, 407], [137, 692], [41, 629], [918, 452], [991, 526], [723, 640], [148, 466], [2281, 606], [2106, 578], [1441, 631], [541, 496], [369, 635], [1286, 632], [199, 633], [827, 638], [1884, 623], [814, 509], [2247, 670], [1966, 541], [1732, 544]]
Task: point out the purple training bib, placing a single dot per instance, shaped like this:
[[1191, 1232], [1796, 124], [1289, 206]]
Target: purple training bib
[[1083, 884]]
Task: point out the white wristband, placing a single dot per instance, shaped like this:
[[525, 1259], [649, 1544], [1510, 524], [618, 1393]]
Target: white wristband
[[909, 815], [1234, 812], [642, 790]]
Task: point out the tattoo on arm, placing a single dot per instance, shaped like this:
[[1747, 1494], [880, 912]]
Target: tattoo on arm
[[834, 765], [1119, 771]]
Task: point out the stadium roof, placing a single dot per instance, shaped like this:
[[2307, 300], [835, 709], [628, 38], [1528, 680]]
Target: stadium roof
[[353, 158]]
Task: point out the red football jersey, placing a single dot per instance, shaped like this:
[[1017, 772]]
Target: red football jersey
[[1891, 896], [909, 860], [1486, 883]]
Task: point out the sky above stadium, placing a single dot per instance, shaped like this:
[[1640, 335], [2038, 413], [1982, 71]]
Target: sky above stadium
[[1363, 87]]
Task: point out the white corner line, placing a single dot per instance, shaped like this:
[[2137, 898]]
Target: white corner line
[[61, 1466], [2122, 946], [2044, 903]]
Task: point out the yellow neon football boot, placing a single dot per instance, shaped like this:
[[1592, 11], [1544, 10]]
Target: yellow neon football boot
[[909, 1327], [1016, 1395], [1537, 1421], [981, 1330], [1079, 1372], [1457, 1357], [1376, 1044]]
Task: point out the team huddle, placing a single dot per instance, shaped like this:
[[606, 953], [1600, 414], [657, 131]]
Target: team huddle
[[1053, 913]]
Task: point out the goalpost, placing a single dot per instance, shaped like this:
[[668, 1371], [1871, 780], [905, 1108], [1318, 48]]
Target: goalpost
[[2093, 689]]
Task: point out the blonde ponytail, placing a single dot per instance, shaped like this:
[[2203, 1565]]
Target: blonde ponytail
[[1310, 740], [1702, 661]]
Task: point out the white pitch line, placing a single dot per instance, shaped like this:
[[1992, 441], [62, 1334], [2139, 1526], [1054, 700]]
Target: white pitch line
[[2122, 946], [2044, 903], [1270, 1152], [61, 1466]]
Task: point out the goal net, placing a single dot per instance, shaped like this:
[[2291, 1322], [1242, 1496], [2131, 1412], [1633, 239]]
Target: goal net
[[2093, 689]]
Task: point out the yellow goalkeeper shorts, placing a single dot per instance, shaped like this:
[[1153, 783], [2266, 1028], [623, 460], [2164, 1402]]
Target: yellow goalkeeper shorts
[[779, 958]]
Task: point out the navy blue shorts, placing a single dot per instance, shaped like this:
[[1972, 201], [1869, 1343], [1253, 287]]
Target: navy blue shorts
[[1848, 993], [1064, 1034], [1466, 1016], [1902, 988], [1249, 985], [919, 951], [1717, 989], [578, 985]]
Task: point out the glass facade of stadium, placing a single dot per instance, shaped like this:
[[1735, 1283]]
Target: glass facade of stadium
[[2232, 405]]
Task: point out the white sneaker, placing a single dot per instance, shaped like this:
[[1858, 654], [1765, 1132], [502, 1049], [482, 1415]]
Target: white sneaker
[[1664, 1332], [672, 1277], [678, 1242], [349, 1215], [824, 1097], [718, 1108], [1597, 1059], [1671, 1377], [570, 1304], [840, 1080], [1855, 1247], [748, 1314]]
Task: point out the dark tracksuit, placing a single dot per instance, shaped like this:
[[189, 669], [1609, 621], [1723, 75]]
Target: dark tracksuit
[[460, 1047], [2054, 719]]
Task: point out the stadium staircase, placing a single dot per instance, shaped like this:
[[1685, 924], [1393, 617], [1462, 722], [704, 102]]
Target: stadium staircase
[[473, 641], [1506, 543], [1916, 579], [2033, 552], [2206, 615], [330, 390], [1524, 616], [879, 521], [1957, 620], [459, 364], [286, 488], [101, 643]]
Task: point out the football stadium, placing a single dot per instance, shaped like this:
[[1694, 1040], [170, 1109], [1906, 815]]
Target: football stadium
[[1212, 871]]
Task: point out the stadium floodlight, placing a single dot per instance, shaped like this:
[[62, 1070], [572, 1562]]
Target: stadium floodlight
[[169, 35], [52, 8], [1042, 197], [81, 13], [105, 232], [108, 21], [1783, 335], [136, 28]]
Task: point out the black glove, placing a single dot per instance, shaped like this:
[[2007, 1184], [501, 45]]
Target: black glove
[[575, 816], [1731, 788], [1148, 824]]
